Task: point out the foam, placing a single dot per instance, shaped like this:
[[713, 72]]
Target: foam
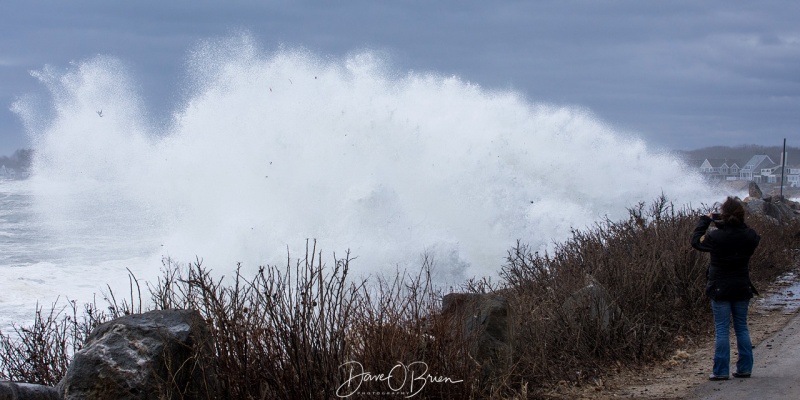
[[269, 150]]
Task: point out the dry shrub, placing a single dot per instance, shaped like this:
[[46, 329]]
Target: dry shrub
[[286, 332], [40, 353], [399, 324], [295, 332], [621, 292], [778, 249]]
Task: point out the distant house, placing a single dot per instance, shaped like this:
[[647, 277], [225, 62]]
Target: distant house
[[789, 174], [757, 168], [719, 169], [793, 176], [770, 175]]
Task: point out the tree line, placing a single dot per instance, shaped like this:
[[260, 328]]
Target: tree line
[[19, 161], [743, 153]]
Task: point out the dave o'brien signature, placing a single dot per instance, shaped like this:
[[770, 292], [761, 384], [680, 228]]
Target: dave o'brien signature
[[414, 374]]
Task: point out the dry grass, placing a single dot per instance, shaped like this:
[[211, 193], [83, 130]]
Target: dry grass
[[40, 353]]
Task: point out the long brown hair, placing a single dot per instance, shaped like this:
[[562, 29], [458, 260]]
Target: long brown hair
[[732, 212]]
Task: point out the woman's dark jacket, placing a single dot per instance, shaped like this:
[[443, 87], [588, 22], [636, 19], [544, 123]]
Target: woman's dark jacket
[[728, 276]]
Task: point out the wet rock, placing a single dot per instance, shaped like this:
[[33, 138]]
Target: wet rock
[[755, 206], [156, 355], [488, 317], [27, 391], [754, 191], [775, 207]]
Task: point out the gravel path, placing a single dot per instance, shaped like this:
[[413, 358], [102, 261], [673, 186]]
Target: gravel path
[[776, 373]]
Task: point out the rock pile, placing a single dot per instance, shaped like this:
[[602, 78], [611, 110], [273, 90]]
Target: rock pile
[[776, 207]]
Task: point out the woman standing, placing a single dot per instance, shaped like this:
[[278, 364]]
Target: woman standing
[[728, 283]]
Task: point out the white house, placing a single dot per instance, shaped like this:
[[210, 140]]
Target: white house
[[793, 176], [719, 169], [754, 169], [759, 168]]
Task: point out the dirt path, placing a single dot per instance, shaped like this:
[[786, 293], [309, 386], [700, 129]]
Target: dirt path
[[685, 375]]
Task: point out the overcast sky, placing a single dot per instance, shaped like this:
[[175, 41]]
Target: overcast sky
[[681, 74]]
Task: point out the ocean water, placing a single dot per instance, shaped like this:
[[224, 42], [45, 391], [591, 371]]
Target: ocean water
[[271, 149]]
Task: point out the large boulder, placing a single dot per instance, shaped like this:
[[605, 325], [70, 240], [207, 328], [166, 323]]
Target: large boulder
[[780, 209], [754, 191], [156, 355], [27, 391], [592, 302], [485, 317]]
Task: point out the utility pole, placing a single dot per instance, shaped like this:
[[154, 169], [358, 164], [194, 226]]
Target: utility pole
[[783, 165]]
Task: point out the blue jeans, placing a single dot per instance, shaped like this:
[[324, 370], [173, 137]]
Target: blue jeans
[[722, 321]]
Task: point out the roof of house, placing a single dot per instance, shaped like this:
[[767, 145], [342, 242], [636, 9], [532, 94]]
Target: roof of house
[[718, 162], [757, 162]]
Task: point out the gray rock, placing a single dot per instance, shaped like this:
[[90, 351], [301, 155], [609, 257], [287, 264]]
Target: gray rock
[[156, 355], [754, 191], [486, 316], [593, 302], [755, 206], [779, 210], [27, 391]]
